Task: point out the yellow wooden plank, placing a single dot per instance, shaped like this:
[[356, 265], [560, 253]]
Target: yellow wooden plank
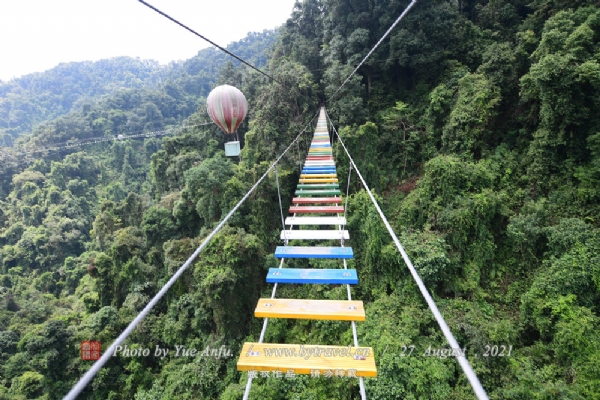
[[318, 176], [338, 310], [329, 361], [313, 180]]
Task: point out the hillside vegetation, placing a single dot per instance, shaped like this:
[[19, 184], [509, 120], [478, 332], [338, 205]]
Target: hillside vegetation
[[476, 125], [27, 101]]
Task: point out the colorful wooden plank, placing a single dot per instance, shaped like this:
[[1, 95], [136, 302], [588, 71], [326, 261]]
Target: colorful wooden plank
[[310, 176], [311, 186], [316, 210], [313, 276], [330, 192], [318, 180], [298, 221], [306, 234], [317, 200], [319, 166], [333, 310], [313, 252], [308, 359], [318, 171]]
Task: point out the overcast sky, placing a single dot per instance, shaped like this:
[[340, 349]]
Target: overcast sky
[[36, 35]]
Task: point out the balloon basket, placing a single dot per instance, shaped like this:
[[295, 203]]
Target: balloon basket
[[232, 149]]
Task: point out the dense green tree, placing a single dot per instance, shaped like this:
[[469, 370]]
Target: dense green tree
[[474, 125]]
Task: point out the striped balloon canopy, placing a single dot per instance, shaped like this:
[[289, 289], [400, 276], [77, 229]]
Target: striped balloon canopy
[[227, 107]]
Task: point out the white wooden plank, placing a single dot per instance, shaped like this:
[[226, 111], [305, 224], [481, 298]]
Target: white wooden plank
[[315, 221], [314, 235], [318, 162]]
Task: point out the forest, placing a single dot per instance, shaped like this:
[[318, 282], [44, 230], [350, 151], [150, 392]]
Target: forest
[[474, 124]]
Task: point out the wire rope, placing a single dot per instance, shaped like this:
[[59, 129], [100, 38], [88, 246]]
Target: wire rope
[[460, 357], [104, 139], [89, 375], [280, 207], [208, 40]]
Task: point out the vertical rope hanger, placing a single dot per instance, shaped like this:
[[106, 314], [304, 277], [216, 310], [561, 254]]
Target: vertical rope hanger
[[281, 207]]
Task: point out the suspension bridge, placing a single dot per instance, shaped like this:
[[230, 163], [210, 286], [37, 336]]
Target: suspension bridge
[[316, 207]]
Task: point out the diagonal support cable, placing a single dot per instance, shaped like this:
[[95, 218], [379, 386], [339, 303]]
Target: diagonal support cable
[[209, 41], [462, 360], [89, 375]]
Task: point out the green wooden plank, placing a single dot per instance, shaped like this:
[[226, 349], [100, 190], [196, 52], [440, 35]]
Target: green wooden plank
[[311, 186], [316, 192]]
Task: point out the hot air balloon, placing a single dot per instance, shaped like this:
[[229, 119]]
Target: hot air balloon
[[227, 107]]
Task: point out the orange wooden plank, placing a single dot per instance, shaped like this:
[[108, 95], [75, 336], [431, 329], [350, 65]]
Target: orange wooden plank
[[316, 209]]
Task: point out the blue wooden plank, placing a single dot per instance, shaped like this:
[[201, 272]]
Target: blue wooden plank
[[320, 145], [313, 276], [318, 171], [313, 252]]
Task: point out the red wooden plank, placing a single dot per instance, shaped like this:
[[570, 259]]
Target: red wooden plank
[[316, 200], [315, 210]]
